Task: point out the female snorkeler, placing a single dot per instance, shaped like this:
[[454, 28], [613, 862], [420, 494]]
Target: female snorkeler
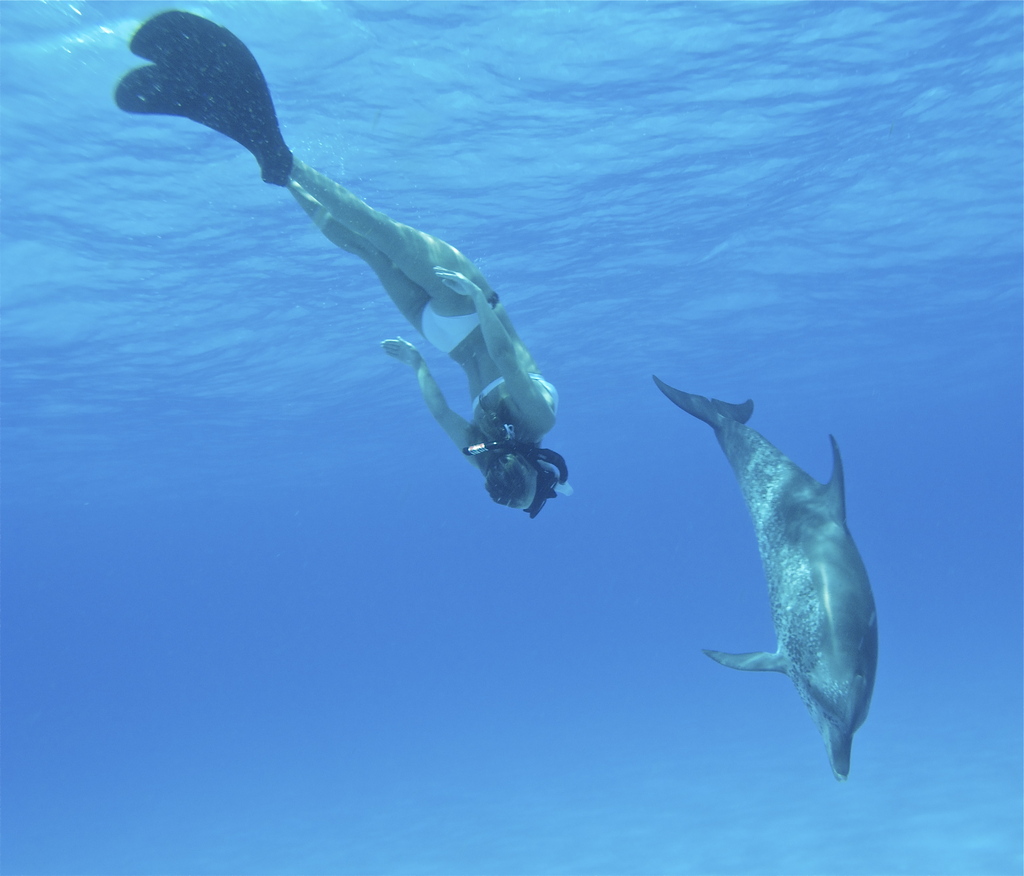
[[205, 73]]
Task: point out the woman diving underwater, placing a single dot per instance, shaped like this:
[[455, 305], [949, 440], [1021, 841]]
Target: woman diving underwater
[[205, 73]]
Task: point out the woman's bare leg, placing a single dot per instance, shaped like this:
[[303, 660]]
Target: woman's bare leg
[[409, 298], [334, 231], [412, 252]]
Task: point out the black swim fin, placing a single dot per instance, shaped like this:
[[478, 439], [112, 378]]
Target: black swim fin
[[204, 72]]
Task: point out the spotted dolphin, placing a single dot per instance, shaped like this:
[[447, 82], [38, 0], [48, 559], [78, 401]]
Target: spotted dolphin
[[821, 600]]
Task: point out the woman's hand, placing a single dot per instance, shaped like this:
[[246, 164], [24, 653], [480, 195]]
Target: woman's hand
[[457, 282], [402, 350]]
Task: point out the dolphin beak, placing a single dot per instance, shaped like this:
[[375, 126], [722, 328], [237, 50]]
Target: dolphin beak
[[838, 745]]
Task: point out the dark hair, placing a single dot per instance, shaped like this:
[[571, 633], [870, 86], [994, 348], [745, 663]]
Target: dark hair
[[506, 479]]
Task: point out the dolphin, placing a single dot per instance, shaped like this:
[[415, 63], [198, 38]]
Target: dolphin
[[822, 606]]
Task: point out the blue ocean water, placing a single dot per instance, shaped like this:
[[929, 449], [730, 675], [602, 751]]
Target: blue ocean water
[[258, 615]]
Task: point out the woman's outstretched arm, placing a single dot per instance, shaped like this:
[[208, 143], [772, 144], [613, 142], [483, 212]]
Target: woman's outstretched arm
[[456, 427]]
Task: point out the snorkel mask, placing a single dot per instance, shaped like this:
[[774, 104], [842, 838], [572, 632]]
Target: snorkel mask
[[552, 472]]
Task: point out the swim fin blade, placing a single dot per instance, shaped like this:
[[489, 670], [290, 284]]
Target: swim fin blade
[[204, 72]]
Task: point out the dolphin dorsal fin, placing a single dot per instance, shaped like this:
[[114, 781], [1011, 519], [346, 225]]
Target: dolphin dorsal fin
[[835, 489]]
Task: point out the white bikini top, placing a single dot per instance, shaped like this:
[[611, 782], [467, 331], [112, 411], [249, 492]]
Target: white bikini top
[[496, 383]]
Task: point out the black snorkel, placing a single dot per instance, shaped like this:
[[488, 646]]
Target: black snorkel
[[551, 469], [508, 444]]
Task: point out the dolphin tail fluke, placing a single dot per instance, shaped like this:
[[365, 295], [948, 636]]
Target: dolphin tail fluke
[[707, 409], [756, 661], [205, 73]]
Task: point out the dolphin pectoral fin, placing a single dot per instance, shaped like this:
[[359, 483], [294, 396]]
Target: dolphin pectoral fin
[[756, 661]]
